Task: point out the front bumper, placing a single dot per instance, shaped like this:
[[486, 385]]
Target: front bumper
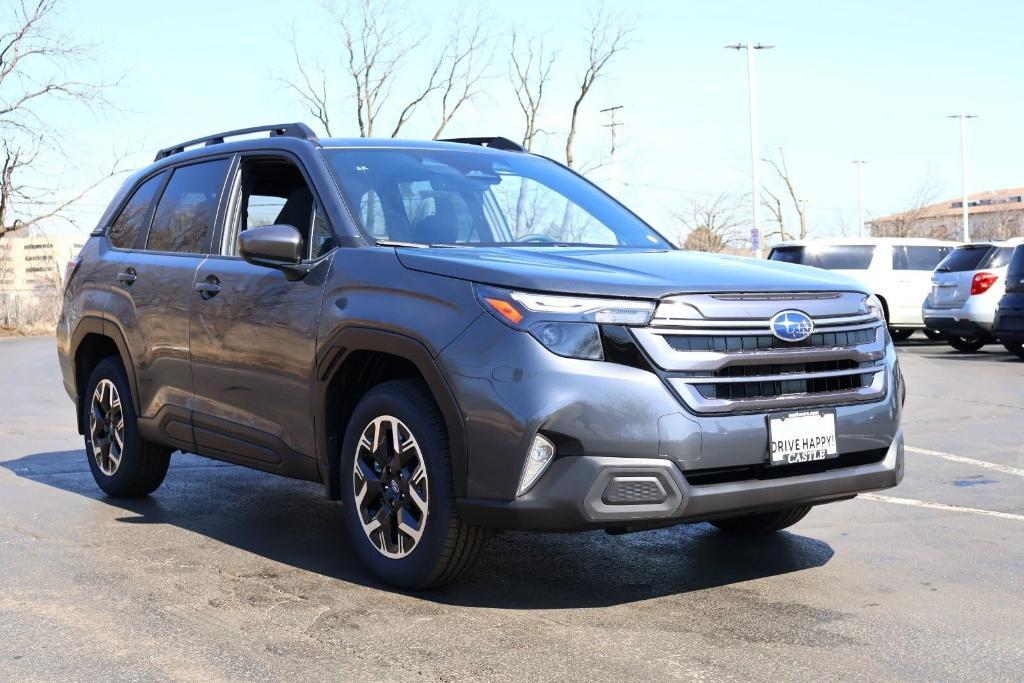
[[613, 422], [586, 492]]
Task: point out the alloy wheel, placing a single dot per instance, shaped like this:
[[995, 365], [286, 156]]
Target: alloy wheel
[[390, 483], [106, 427]]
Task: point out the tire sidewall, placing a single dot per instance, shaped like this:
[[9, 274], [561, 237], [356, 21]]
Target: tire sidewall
[[418, 567], [127, 471]]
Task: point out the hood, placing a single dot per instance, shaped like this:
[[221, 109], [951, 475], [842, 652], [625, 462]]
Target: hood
[[631, 273]]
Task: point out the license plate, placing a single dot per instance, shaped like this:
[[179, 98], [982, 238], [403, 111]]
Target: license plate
[[802, 437], [943, 293]]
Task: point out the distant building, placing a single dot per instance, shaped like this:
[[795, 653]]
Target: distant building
[[996, 214], [32, 263]]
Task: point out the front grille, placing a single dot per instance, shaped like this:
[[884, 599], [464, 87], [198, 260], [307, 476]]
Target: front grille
[[719, 356], [738, 391], [761, 342], [725, 475]]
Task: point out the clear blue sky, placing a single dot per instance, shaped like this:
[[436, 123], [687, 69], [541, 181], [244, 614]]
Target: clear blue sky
[[871, 80]]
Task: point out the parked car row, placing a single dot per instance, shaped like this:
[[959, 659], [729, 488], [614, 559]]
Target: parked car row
[[969, 295]]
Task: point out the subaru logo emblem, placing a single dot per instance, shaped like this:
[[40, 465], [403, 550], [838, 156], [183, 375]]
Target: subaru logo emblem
[[394, 486], [792, 326]]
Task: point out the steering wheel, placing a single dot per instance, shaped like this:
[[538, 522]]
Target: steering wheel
[[535, 237]]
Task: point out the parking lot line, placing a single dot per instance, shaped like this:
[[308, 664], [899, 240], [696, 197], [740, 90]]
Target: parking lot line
[[1005, 469], [939, 506]]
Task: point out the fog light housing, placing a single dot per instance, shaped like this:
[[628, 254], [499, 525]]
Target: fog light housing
[[542, 452]]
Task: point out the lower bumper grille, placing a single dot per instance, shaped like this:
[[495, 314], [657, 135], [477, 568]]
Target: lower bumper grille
[[725, 475]]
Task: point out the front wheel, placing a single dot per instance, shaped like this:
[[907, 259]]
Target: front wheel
[[1016, 348], [122, 463], [762, 523], [900, 333], [966, 344], [398, 498]]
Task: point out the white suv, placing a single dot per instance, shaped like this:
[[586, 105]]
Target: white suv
[[897, 270], [966, 289]]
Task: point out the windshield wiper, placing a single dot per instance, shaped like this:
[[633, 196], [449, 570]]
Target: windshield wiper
[[395, 243]]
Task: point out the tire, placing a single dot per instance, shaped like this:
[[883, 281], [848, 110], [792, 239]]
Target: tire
[[966, 344], [140, 466], [935, 335], [392, 495], [900, 333], [762, 523], [1016, 348]]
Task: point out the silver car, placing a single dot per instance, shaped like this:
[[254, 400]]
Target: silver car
[[966, 288]]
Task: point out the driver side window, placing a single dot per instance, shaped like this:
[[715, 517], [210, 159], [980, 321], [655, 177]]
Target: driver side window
[[273, 192]]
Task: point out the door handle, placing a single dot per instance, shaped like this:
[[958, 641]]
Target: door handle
[[209, 287], [127, 277]]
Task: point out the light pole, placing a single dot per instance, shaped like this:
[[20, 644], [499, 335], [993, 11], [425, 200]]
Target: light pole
[[963, 166], [860, 193], [755, 152]]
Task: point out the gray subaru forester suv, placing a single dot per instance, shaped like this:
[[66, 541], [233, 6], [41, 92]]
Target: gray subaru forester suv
[[457, 337]]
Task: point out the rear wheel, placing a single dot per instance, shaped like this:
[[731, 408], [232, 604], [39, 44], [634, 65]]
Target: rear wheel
[[1016, 348], [122, 463], [762, 523], [966, 344], [935, 335], [900, 333], [399, 502]]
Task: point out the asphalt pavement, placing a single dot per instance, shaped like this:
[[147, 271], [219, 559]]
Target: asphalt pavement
[[230, 574]]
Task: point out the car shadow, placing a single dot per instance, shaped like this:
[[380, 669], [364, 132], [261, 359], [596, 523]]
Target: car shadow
[[291, 522]]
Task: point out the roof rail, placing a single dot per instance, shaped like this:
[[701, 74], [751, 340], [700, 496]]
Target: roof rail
[[493, 143], [291, 130]]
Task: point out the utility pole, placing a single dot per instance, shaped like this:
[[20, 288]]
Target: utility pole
[[860, 193], [963, 167], [613, 124], [755, 152]]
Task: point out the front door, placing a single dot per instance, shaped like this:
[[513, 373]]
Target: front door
[[253, 332]]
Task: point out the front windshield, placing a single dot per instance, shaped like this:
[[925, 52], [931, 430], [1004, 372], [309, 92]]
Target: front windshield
[[477, 197]]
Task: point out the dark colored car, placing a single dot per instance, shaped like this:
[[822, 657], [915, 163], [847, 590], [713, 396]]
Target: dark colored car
[[456, 337], [1009, 321]]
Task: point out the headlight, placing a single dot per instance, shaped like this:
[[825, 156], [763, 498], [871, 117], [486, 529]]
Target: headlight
[[873, 305], [566, 325]]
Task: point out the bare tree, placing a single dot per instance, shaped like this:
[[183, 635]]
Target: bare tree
[[774, 205], [377, 42], [608, 37], [36, 63], [910, 222], [713, 224], [530, 71]]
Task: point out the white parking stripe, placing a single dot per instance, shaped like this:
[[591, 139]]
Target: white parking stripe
[[1005, 469], [939, 506]]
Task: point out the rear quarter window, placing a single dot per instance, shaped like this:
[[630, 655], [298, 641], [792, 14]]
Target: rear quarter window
[[124, 232], [918, 257]]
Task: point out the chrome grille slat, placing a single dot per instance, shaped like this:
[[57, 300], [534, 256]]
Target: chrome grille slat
[[708, 344]]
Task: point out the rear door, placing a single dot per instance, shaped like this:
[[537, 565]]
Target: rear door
[[153, 290], [253, 332], [951, 281]]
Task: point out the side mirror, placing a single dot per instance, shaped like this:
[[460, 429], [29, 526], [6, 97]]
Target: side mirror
[[274, 246]]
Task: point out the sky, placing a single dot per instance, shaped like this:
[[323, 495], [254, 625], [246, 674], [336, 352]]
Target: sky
[[847, 80]]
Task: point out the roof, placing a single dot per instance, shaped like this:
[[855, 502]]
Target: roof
[[989, 201]]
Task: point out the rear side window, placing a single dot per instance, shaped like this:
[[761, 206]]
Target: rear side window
[[829, 257], [183, 221], [918, 257], [124, 231], [997, 258], [963, 259]]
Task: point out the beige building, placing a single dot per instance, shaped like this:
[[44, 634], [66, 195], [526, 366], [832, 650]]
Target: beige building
[[32, 263], [992, 215]]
